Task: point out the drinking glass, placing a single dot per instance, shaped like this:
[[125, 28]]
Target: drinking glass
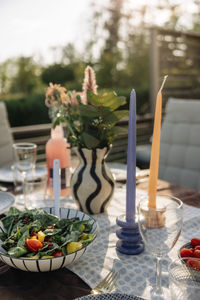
[[184, 281], [24, 160], [160, 228]]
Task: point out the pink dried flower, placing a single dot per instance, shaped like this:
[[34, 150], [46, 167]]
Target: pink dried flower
[[89, 83]]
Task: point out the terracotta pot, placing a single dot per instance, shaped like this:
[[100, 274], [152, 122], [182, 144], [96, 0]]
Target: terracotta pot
[[92, 184]]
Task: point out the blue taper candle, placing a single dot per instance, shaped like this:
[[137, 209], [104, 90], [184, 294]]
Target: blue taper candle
[[131, 160], [130, 241]]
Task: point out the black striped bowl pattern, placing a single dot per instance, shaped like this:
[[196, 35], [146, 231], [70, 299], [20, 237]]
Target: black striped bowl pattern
[[51, 264], [92, 183]]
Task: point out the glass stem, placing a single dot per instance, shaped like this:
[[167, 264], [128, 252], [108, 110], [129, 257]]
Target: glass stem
[[158, 276], [24, 187]]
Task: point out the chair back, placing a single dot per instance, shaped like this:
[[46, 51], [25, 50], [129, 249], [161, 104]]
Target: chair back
[[180, 143], [6, 139]]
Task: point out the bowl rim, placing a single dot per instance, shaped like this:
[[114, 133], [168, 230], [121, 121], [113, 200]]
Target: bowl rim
[[59, 257]]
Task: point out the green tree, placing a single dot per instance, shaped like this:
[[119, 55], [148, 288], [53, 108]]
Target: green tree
[[196, 17], [27, 76], [7, 71], [3, 78], [76, 61], [57, 73], [110, 56]]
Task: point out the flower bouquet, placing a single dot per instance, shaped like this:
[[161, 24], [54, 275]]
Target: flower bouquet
[[91, 119]]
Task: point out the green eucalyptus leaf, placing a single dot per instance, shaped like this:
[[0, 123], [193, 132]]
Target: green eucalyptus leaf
[[88, 111], [117, 130], [112, 101], [114, 117], [93, 99], [89, 140]]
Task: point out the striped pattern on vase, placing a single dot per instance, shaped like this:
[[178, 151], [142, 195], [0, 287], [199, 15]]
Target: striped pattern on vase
[[92, 184]]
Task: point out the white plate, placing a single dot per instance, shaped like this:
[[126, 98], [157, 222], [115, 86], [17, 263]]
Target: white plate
[[6, 201], [119, 171], [6, 173]]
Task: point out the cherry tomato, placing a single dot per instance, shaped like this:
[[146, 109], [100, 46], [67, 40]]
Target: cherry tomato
[[197, 253], [197, 248], [58, 253], [33, 245], [185, 252], [195, 242], [193, 263]]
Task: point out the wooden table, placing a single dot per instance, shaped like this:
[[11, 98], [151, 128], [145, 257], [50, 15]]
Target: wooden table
[[188, 196], [63, 284]]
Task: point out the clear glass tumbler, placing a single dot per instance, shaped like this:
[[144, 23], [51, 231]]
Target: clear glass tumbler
[[24, 155], [184, 281], [36, 192]]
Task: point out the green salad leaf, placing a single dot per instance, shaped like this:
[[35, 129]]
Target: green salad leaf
[[36, 234]]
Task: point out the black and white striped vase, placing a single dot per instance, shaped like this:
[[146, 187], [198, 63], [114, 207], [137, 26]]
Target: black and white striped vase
[[92, 183]]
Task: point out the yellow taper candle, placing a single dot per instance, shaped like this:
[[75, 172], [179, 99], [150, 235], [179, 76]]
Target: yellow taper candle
[[155, 150]]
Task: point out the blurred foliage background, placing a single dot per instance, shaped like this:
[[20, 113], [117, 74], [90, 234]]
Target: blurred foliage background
[[122, 63]]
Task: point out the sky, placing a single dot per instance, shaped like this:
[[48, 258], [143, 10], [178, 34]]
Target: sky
[[30, 27], [33, 27]]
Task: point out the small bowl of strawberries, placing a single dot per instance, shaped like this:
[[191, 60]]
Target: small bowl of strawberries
[[190, 255]]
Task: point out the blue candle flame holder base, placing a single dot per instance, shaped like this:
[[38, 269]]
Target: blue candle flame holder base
[[130, 241]]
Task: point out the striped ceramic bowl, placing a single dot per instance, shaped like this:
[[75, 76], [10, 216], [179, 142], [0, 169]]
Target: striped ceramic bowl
[[51, 264]]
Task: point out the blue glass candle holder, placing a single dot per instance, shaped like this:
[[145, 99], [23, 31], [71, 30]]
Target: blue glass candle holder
[[130, 241]]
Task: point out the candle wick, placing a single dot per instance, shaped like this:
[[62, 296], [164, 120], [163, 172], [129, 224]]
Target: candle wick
[[165, 78]]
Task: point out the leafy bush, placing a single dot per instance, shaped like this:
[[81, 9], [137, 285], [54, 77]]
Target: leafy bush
[[28, 110]]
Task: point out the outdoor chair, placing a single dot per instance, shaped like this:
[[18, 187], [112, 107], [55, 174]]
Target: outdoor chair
[[6, 139], [143, 155], [180, 143]]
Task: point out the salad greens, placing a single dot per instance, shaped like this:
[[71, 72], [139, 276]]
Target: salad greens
[[36, 234]]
